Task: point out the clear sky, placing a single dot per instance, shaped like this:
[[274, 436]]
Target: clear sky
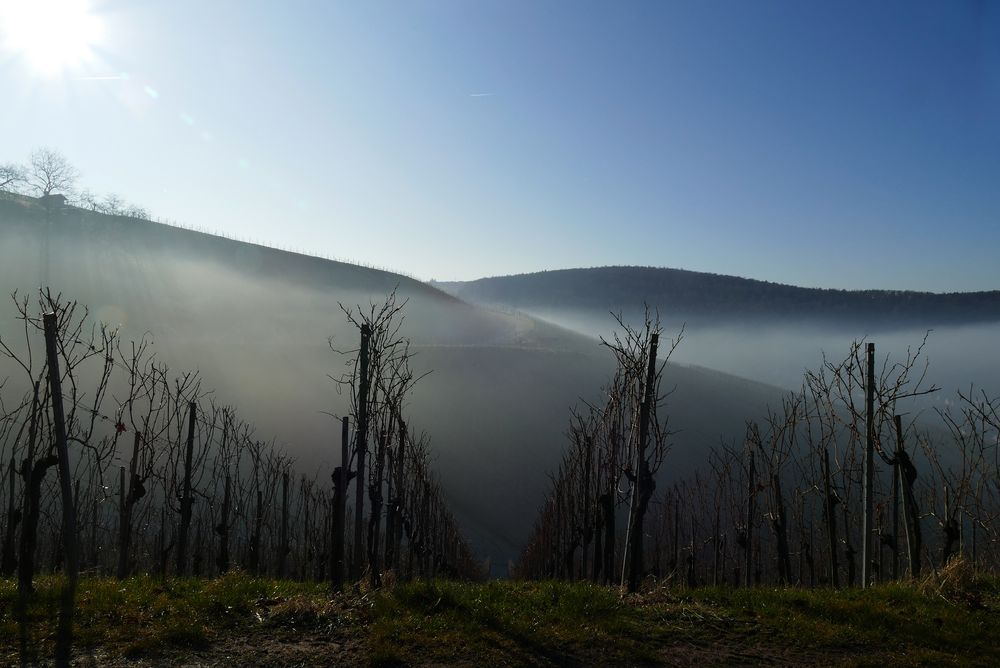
[[848, 144]]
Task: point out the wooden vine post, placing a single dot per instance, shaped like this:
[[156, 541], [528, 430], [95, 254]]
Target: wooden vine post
[[361, 447], [283, 541], [751, 498], [643, 477], [911, 519], [341, 478], [127, 499], [64, 638], [186, 499], [868, 479], [830, 515]]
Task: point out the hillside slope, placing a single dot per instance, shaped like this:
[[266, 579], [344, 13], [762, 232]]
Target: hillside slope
[[760, 330], [255, 321], [703, 298]]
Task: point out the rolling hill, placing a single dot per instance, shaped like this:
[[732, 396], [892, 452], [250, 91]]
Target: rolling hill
[[705, 299], [256, 321], [765, 331]]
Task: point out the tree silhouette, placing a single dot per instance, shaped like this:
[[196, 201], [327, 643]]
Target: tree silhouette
[[49, 172]]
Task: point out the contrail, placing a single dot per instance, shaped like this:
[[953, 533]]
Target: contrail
[[110, 77], [481, 94]]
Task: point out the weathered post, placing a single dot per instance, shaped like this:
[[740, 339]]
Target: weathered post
[[76, 506], [716, 548], [258, 522], [643, 477], [608, 507], [325, 558], [829, 514], [64, 639], [751, 494], [222, 561], [122, 526], [283, 542], [341, 478], [780, 523], [973, 523], [93, 551], [895, 517], [324, 562], [725, 557], [911, 520], [675, 561], [390, 500], [162, 546], [7, 561], [127, 499], [608, 517], [400, 500], [305, 553], [425, 531], [691, 557], [868, 491], [361, 447], [375, 520], [807, 547], [186, 500], [588, 531], [33, 475], [950, 528], [198, 557], [598, 543]]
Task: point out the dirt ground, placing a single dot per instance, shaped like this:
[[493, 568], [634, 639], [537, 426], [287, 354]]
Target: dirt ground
[[293, 648]]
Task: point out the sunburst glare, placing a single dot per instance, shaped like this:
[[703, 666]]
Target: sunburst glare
[[51, 36]]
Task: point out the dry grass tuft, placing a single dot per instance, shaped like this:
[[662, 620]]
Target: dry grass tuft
[[957, 582]]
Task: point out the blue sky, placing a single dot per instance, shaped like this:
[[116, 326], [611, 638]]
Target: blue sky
[[855, 145]]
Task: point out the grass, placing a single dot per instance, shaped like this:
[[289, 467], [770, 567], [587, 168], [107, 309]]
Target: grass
[[510, 622], [516, 623], [144, 613]]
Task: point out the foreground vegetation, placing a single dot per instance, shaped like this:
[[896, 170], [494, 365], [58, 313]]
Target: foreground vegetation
[[949, 618]]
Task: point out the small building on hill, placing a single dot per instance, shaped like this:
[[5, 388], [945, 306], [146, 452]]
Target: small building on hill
[[54, 201]]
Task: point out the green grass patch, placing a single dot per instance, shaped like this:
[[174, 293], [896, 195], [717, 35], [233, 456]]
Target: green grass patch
[[519, 623], [509, 623], [143, 613]]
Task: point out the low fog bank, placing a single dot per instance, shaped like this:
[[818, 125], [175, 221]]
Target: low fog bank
[[255, 323], [779, 354]]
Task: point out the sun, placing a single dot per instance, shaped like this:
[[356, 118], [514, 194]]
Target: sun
[[51, 36]]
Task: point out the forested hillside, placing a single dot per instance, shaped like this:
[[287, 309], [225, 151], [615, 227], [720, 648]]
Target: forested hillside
[[703, 298]]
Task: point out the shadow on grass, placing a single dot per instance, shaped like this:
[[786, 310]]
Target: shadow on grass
[[547, 623]]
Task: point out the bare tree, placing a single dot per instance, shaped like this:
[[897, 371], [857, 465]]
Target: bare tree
[[49, 171], [12, 177]]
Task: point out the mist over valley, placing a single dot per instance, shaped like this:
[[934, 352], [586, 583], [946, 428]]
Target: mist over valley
[[255, 323], [499, 333]]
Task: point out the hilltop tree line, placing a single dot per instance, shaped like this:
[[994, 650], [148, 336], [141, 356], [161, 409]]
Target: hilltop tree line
[[846, 483], [115, 465], [47, 173], [703, 298]]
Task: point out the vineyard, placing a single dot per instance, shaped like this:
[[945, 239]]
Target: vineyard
[[122, 470], [499, 333], [849, 482], [117, 465]]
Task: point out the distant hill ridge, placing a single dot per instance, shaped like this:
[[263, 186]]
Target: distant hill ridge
[[719, 297]]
